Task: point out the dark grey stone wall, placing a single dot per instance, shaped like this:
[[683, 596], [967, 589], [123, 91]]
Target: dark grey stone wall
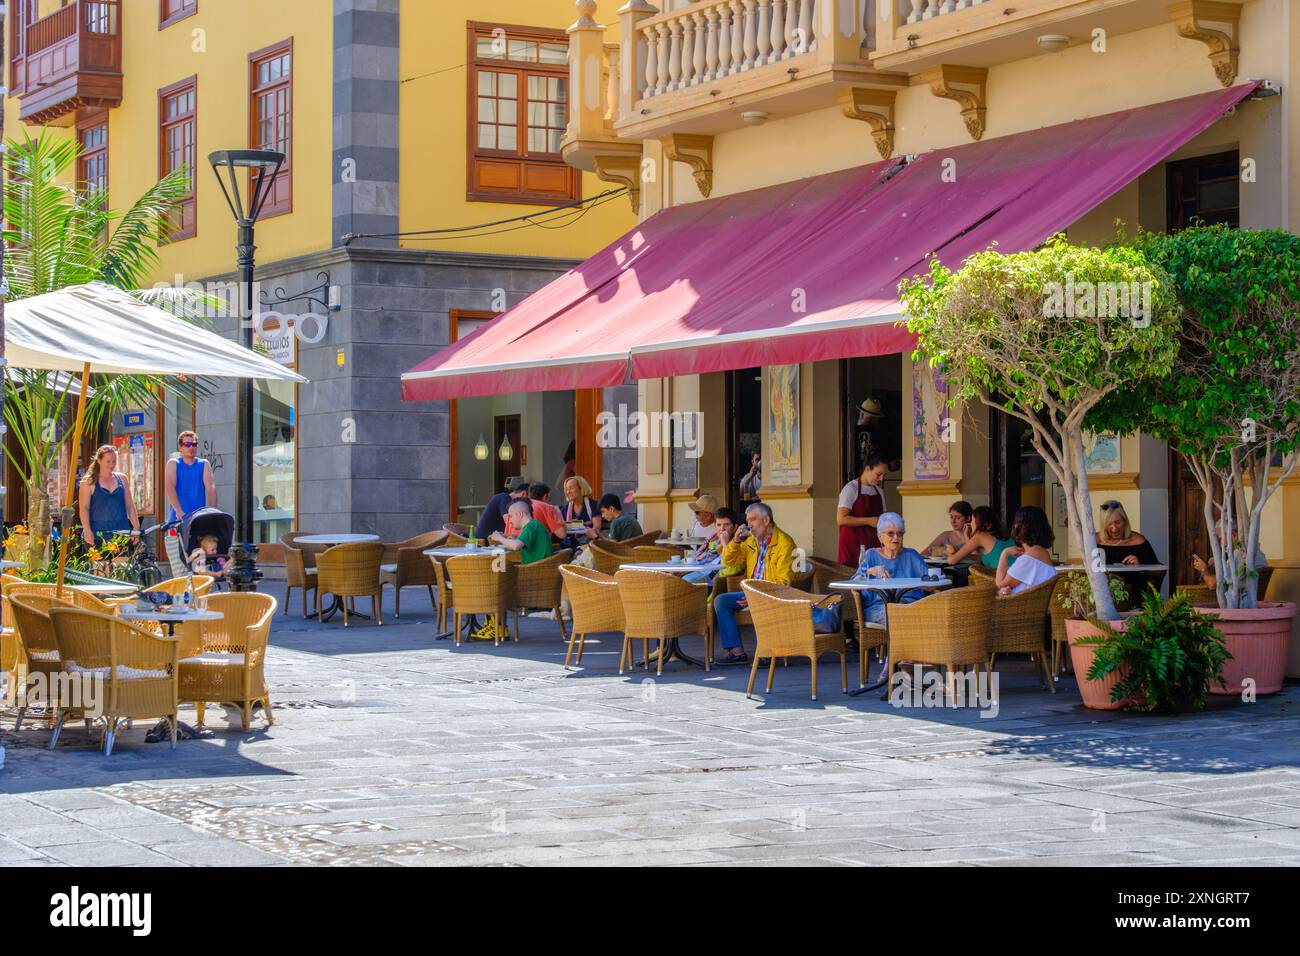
[[366, 134]]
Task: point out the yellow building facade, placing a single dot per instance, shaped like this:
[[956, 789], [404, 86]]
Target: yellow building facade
[[716, 97], [397, 228]]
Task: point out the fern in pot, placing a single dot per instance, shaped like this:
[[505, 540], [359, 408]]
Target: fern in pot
[[1161, 659]]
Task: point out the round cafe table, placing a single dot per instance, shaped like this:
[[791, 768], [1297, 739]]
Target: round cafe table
[[169, 620], [457, 551], [890, 589], [330, 540]]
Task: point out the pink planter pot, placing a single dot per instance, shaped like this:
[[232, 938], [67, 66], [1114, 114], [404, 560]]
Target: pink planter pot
[[1095, 693], [1258, 640]]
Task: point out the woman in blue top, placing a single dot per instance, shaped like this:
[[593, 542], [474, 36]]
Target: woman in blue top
[[107, 507], [986, 539], [890, 560]]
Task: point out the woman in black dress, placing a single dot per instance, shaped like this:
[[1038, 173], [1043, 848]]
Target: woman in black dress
[[1122, 545]]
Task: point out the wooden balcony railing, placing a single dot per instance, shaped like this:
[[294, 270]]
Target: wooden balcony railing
[[73, 60]]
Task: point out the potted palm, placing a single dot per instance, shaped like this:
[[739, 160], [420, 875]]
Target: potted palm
[[57, 236], [1037, 329], [1231, 407]]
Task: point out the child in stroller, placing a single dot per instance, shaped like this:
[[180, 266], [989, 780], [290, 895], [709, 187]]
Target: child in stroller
[[207, 534]]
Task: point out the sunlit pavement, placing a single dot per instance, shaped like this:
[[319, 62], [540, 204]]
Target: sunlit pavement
[[390, 747]]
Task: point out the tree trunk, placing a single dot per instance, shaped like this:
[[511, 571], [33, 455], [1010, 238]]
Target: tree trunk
[[1079, 508], [38, 526]]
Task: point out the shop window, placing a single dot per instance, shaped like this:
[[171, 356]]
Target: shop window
[[1206, 189], [274, 445], [270, 111], [518, 111], [178, 124]]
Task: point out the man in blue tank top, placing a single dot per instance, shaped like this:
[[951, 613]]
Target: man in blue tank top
[[189, 482]]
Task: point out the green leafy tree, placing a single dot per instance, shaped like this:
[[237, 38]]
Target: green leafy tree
[[1045, 336], [57, 235]]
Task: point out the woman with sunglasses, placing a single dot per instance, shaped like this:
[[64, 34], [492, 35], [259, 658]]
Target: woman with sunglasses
[[1123, 545], [889, 560], [188, 479]]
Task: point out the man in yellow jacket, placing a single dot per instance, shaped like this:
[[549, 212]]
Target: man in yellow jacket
[[767, 554]]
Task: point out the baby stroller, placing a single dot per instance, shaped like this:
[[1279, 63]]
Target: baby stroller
[[203, 523]]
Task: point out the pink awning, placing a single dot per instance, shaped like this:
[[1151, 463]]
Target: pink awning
[[807, 270]]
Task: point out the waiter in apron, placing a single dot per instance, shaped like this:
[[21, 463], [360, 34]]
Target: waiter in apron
[[861, 502]]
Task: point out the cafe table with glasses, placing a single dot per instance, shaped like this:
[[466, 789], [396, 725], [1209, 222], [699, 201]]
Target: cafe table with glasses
[[169, 616], [890, 589]]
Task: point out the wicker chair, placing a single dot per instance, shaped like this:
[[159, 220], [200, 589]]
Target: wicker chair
[[950, 628], [1020, 624], [480, 589], [1198, 593], [138, 669], [597, 607], [661, 607], [651, 554], [71, 596], [871, 636], [824, 572], [232, 655], [405, 565], [609, 556], [645, 539], [350, 571], [1058, 616], [457, 529], [539, 585], [783, 624], [38, 652], [442, 592], [981, 574], [299, 570]]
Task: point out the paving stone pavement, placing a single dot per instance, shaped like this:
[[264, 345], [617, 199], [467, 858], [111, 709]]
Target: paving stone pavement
[[391, 748]]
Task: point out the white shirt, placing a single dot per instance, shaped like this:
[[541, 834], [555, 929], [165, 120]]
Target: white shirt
[[703, 531], [849, 493], [1029, 571]]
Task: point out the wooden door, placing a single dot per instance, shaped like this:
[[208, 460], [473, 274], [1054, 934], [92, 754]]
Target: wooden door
[[1187, 532], [589, 461]]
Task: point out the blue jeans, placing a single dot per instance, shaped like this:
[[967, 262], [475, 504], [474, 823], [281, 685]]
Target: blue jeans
[[724, 605]]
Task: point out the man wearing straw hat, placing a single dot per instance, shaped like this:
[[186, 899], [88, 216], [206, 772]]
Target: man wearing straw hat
[[871, 439]]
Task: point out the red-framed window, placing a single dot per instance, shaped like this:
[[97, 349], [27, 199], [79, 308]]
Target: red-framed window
[[177, 148], [92, 163], [169, 11], [270, 111], [517, 114]]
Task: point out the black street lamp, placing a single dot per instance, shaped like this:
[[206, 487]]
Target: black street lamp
[[262, 166]]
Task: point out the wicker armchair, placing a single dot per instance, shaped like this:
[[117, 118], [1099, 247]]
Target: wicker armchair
[[138, 669], [640, 540], [784, 628], [609, 556], [1197, 594], [651, 554], [457, 529], [1058, 616], [1020, 624], [661, 607], [981, 574], [232, 655], [597, 607], [299, 570], [37, 650], [442, 592], [479, 589], [824, 572], [350, 571], [404, 565], [71, 596], [539, 585], [950, 628], [871, 636]]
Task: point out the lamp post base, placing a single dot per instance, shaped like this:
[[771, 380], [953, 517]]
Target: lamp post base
[[244, 573]]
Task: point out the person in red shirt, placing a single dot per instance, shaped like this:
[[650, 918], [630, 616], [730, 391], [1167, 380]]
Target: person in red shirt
[[544, 511]]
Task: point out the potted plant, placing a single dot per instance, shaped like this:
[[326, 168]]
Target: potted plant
[[1074, 595], [1166, 657], [1231, 407], [1039, 330]]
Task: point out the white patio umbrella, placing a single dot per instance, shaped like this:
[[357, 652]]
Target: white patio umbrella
[[98, 328]]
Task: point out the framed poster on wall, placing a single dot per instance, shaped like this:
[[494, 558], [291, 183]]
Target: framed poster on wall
[[135, 459], [784, 454], [931, 438]]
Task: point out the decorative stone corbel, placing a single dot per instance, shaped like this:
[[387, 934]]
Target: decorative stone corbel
[[622, 169], [876, 109], [1215, 24], [965, 85], [695, 151]]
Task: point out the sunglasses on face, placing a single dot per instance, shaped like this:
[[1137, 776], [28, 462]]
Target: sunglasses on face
[[189, 444]]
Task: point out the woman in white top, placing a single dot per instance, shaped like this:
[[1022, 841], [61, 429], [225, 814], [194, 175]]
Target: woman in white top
[[1029, 562]]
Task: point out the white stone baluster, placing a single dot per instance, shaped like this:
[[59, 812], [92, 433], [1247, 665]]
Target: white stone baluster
[[946, 7], [665, 58], [792, 45], [651, 61], [918, 8], [751, 34], [764, 31], [688, 51], [738, 30], [712, 51], [724, 39], [701, 44], [675, 54], [614, 66], [931, 10], [777, 33], [811, 7]]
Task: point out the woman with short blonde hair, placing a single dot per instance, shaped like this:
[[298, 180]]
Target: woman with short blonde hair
[[1122, 545], [579, 507]]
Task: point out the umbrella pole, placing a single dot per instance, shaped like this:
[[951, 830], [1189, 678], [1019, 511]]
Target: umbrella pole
[[74, 460]]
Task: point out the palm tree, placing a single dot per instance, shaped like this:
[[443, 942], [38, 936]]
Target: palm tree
[[56, 235]]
